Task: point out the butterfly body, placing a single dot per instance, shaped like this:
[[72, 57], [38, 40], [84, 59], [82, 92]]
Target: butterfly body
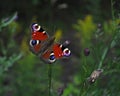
[[46, 47]]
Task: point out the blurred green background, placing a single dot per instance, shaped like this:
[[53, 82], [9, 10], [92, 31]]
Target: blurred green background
[[91, 24]]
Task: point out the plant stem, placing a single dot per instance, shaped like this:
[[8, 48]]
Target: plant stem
[[103, 57], [112, 13], [114, 37], [50, 78]]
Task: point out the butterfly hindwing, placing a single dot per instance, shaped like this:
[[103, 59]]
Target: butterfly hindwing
[[57, 51]]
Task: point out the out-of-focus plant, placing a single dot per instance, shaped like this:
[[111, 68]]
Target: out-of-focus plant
[[102, 41], [85, 29], [8, 47], [6, 21], [58, 34]]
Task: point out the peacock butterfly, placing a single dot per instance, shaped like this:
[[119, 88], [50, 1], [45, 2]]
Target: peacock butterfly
[[46, 47]]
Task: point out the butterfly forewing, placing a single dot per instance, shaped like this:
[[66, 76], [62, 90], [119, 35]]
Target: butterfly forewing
[[37, 38]]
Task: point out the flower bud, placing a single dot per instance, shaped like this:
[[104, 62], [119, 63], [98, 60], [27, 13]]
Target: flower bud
[[86, 51]]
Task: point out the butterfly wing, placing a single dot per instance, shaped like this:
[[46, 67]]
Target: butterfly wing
[[44, 47], [57, 51], [38, 37]]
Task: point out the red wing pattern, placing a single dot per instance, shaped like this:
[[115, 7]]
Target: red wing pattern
[[39, 42], [38, 36], [58, 51]]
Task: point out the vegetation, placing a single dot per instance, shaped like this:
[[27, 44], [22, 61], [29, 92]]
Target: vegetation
[[92, 27]]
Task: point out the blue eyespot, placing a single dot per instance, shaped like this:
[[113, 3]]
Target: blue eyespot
[[34, 42], [52, 58]]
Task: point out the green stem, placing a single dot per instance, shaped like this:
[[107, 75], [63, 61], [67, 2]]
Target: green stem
[[112, 13], [50, 79], [103, 57], [114, 37]]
